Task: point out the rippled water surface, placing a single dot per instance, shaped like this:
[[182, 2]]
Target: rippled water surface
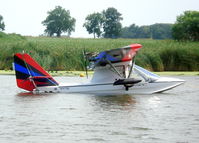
[[170, 117]]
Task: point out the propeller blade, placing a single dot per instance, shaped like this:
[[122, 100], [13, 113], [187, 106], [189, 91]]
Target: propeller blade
[[85, 62]]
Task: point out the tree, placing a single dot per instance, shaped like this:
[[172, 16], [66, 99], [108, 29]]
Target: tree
[[111, 23], [155, 31], [93, 24], [2, 25], [187, 26], [58, 21], [161, 31], [130, 32], [144, 32]]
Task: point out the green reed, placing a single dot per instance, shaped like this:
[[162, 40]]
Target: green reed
[[66, 53]]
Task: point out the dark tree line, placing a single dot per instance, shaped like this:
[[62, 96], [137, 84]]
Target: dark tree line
[[107, 25], [186, 27], [155, 31]]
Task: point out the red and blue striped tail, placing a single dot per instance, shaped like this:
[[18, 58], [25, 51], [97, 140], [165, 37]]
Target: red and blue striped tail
[[29, 74]]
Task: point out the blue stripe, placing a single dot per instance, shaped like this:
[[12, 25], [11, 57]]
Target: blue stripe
[[35, 74], [52, 82], [103, 55], [24, 70], [111, 58], [21, 69]]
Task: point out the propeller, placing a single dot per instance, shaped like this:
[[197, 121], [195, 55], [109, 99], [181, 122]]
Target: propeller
[[85, 62]]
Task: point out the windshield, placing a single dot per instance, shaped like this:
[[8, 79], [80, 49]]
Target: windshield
[[147, 75]]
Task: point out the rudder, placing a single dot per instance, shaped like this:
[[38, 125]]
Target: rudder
[[29, 74]]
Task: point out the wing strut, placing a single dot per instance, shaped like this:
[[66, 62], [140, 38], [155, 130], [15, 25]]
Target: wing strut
[[113, 67]]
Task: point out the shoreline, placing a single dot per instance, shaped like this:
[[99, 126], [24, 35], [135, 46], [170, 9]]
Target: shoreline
[[83, 73]]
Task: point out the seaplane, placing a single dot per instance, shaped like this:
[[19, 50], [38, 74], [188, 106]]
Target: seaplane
[[115, 73]]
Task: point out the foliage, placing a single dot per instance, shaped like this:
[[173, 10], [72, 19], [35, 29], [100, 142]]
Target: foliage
[[93, 24], [13, 37], [161, 31], [110, 21], [2, 25], [187, 26], [59, 21], [155, 31], [66, 53], [130, 32], [144, 32], [111, 25], [113, 28]]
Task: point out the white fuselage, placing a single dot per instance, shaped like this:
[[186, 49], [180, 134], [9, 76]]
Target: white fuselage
[[110, 89], [103, 83]]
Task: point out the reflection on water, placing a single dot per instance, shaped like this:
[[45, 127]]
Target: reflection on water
[[168, 117], [24, 94], [31, 94], [154, 101], [122, 102]]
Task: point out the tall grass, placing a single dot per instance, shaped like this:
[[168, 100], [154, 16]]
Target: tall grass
[[66, 53]]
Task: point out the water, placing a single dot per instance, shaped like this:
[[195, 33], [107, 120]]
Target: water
[[170, 117]]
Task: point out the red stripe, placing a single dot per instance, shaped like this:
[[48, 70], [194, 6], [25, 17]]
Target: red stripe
[[38, 77], [25, 84], [136, 47], [132, 52]]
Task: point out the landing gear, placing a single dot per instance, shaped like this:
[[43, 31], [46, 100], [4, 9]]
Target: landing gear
[[129, 82], [127, 87]]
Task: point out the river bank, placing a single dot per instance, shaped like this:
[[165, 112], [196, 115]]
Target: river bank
[[82, 73]]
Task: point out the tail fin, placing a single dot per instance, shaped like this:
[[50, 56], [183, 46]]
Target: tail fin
[[29, 74]]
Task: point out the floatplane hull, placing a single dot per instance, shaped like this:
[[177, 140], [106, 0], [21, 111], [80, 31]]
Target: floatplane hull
[[110, 89], [114, 73]]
